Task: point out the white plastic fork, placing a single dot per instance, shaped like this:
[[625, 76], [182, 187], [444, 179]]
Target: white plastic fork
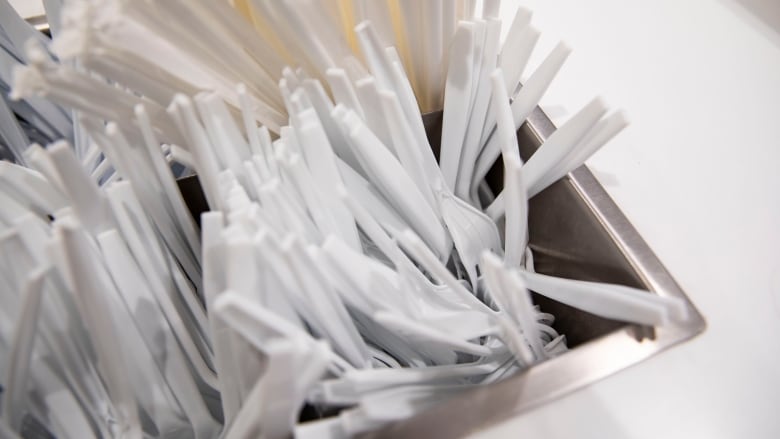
[[408, 153], [555, 148], [16, 379], [29, 186], [93, 305], [394, 182], [472, 232], [482, 95], [603, 132], [457, 98], [611, 301], [344, 92], [338, 326], [516, 50], [512, 297], [322, 165], [523, 104], [11, 133], [88, 201], [370, 97], [151, 364], [374, 53]]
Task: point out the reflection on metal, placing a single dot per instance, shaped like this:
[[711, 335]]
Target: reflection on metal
[[39, 22]]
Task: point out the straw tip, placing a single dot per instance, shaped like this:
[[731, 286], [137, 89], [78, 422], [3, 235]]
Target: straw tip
[[112, 129], [523, 11], [387, 95], [363, 26], [623, 118], [58, 146], [338, 113], [180, 99], [497, 77], [408, 236], [365, 81], [34, 148], [563, 48], [27, 81], [489, 258], [596, 105], [224, 302]]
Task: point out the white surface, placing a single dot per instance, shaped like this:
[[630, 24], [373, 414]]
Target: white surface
[[697, 174], [28, 8]]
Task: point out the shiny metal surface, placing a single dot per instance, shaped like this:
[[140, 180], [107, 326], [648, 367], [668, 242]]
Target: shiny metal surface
[[577, 231], [39, 22]]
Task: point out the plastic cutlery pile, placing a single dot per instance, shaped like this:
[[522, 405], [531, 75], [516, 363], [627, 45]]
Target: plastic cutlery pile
[[341, 269]]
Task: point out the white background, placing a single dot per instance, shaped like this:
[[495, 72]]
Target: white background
[[697, 174]]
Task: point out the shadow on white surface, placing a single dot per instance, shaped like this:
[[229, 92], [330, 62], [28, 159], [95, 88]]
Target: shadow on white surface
[[585, 416], [763, 15], [767, 11], [606, 178]]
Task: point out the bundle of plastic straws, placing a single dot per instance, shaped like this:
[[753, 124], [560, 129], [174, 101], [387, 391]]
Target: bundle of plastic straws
[[343, 278]]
